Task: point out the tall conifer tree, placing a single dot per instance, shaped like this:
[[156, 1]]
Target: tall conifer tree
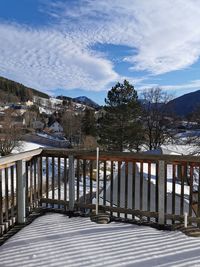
[[120, 127]]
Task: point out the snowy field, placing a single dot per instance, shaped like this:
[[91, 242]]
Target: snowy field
[[56, 240]]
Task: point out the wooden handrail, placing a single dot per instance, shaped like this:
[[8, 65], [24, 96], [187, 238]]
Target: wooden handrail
[[9, 160], [118, 156], [91, 155]]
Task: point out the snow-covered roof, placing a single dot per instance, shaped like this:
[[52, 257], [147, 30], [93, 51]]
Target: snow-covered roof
[[56, 101], [56, 240], [174, 150], [179, 149], [26, 146], [45, 110]]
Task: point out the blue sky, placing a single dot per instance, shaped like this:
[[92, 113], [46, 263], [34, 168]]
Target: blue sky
[[83, 47]]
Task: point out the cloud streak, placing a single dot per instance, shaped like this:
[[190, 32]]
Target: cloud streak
[[48, 59], [190, 86], [164, 34]]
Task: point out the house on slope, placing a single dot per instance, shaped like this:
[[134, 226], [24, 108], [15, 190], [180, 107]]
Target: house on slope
[[55, 127]]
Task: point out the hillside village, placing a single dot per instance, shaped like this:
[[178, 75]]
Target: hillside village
[[49, 121], [41, 117], [66, 122]]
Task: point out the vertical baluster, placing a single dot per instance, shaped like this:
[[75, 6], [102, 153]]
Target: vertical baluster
[[16, 191], [104, 183], [39, 175], [133, 188], [6, 195], [65, 180], [91, 181], [59, 183], [35, 182], [12, 191], [173, 189], [165, 190], [111, 187], [84, 181], [191, 190], [78, 181], [182, 191], [31, 184], [1, 200], [149, 189], [126, 188], [40, 171], [157, 190], [53, 179], [27, 188], [119, 186], [71, 184], [198, 209], [47, 179], [141, 186]]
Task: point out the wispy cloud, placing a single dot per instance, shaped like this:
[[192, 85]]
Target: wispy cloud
[[188, 87], [49, 59], [164, 34]]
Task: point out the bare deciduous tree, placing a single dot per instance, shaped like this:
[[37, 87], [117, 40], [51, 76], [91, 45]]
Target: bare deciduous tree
[[10, 134], [154, 116], [71, 123]]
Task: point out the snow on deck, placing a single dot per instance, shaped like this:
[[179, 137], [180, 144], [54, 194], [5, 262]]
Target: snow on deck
[[56, 240]]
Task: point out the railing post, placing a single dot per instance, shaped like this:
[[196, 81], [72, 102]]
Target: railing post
[[71, 183], [1, 203], [21, 194], [161, 192]]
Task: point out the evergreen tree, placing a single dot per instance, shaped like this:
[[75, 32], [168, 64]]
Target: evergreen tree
[[120, 127]]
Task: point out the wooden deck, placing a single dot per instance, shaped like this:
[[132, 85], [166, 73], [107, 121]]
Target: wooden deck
[[56, 240], [132, 186]]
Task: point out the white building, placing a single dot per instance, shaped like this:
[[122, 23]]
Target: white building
[[56, 127]]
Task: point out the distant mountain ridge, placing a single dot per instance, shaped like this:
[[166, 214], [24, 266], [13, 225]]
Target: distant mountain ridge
[[185, 104], [87, 101], [13, 92]]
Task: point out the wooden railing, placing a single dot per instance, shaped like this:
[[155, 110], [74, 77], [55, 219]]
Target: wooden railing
[[139, 187], [13, 176]]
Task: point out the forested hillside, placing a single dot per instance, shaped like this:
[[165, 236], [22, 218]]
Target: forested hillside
[[185, 104], [11, 91]]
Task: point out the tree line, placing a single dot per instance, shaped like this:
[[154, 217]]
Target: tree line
[[11, 91]]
